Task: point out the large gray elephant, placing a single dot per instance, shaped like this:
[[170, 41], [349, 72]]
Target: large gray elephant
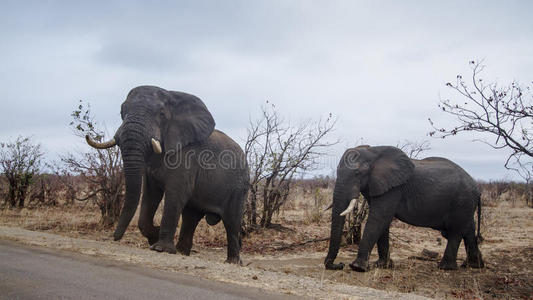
[[433, 192], [169, 147]]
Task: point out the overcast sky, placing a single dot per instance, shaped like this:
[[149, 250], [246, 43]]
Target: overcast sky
[[379, 66]]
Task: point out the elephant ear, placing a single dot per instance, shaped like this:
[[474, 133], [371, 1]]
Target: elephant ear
[[189, 121], [391, 169]]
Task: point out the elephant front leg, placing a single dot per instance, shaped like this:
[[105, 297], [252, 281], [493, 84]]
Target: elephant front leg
[[384, 260], [151, 198], [174, 203], [191, 217], [379, 219]]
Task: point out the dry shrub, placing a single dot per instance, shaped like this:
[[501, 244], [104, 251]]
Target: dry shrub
[[494, 192], [20, 163], [313, 214], [309, 185], [277, 152], [46, 190], [3, 187], [314, 207]]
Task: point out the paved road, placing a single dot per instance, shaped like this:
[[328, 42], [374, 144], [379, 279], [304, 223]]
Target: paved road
[[38, 273]]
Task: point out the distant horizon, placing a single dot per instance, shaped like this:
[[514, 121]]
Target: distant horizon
[[326, 160]]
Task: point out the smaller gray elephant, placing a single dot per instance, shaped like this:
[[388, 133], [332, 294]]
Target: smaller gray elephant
[[433, 192]]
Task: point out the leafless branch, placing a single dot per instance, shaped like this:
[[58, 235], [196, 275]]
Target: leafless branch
[[101, 170], [413, 149], [504, 113], [276, 152]]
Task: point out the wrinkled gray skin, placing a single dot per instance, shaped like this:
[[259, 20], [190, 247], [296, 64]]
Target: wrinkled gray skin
[[433, 192], [201, 185]]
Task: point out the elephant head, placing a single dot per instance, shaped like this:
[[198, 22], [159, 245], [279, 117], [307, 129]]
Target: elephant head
[[154, 122], [369, 170]]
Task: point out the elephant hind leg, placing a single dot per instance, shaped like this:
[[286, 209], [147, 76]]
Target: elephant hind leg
[[233, 236], [190, 219], [473, 255], [449, 259], [232, 219], [384, 260]]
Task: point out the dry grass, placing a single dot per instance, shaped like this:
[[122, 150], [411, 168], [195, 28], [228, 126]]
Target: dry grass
[[507, 251], [508, 247]]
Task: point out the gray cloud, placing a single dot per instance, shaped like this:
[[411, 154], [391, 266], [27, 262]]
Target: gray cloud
[[380, 67]]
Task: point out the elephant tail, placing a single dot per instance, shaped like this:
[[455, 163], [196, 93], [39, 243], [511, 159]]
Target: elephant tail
[[479, 237]]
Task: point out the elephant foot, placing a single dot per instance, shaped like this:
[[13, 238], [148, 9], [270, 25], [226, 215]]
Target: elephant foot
[[117, 236], [152, 240], [331, 266], [151, 235], [183, 249], [164, 247], [360, 265], [474, 262], [384, 264], [234, 260], [448, 265]]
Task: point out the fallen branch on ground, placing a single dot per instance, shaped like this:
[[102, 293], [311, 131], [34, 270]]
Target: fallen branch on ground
[[284, 247], [426, 255]]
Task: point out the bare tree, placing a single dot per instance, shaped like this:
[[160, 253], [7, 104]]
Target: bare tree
[[46, 190], [20, 161], [3, 188], [503, 113], [101, 170], [276, 152]]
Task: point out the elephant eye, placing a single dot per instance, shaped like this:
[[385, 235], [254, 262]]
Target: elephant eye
[[163, 115]]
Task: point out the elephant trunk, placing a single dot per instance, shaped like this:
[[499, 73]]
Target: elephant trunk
[[133, 177], [134, 145], [341, 198]]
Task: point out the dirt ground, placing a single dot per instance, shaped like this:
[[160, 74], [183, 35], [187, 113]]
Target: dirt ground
[[507, 250]]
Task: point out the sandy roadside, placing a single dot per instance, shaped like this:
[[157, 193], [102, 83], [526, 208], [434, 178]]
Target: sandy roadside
[[213, 270]]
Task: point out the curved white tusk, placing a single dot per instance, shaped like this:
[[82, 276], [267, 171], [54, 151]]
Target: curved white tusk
[[98, 145], [156, 146], [350, 207]]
